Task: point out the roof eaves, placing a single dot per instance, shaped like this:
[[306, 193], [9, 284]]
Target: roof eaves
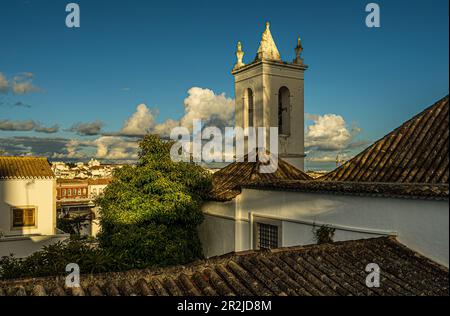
[[382, 190]]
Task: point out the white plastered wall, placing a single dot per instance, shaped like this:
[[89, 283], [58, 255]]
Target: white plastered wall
[[422, 225]]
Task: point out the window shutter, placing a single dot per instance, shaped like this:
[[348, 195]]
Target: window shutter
[[17, 218], [29, 219]]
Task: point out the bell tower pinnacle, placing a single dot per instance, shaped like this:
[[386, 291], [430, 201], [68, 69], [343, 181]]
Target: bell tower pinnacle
[[270, 93]]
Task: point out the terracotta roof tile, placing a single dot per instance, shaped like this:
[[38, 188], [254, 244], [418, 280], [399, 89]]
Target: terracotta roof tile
[[415, 152], [25, 168], [228, 180], [374, 189], [329, 269]]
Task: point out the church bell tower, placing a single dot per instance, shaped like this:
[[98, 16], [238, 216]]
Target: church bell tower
[[270, 93]]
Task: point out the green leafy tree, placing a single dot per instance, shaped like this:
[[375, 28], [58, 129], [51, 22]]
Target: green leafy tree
[[150, 212]]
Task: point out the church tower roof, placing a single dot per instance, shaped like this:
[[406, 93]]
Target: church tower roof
[[267, 49]]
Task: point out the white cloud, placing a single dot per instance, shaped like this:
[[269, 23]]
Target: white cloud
[[165, 128], [140, 123], [20, 84], [8, 125], [116, 148], [204, 104], [4, 84], [105, 147], [73, 149], [87, 129], [329, 158], [329, 132], [201, 104], [329, 137], [25, 126], [47, 130], [24, 87]]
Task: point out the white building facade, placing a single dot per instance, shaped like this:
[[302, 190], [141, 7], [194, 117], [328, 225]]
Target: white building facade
[[420, 224], [27, 206]]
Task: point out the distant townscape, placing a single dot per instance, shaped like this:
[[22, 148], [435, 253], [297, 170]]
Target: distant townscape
[[80, 170]]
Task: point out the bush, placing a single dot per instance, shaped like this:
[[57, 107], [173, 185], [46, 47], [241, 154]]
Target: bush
[[324, 234], [52, 260], [141, 246]]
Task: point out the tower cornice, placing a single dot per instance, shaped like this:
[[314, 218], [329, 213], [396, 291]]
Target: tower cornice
[[269, 62]]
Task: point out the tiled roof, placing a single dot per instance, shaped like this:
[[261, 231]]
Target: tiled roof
[[72, 181], [416, 152], [25, 168], [330, 269], [227, 181], [392, 190]]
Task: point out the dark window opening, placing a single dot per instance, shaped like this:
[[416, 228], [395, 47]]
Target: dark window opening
[[250, 108], [267, 236], [283, 111]]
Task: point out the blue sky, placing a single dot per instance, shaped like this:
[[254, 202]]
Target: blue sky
[[131, 52]]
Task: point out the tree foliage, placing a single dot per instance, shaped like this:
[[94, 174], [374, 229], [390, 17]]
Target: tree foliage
[[150, 212]]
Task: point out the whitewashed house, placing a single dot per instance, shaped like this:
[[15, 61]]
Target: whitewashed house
[[398, 186], [27, 205]]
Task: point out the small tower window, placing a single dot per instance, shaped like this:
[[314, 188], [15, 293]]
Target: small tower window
[[251, 109], [284, 111]]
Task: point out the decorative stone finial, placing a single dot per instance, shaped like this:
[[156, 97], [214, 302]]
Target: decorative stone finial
[[267, 48], [298, 51], [239, 56]]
